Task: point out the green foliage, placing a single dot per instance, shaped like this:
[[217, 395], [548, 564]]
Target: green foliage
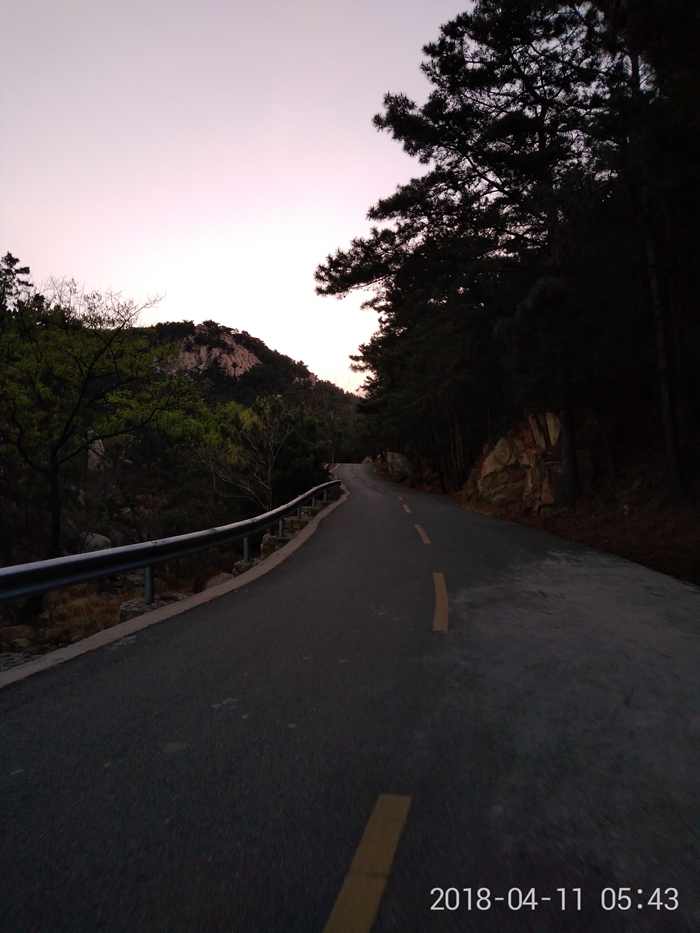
[[548, 255], [267, 453], [74, 373], [109, 426]]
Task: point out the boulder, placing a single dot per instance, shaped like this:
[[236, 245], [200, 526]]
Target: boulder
[[398, 466], [217, 580], [241, 566], [12, 634], [368, 460], [95, 542], [270, 544], [295, 524]]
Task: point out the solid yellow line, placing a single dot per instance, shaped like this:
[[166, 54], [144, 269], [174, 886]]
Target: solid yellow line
[[424, 538], [442, 604], [359, 898], [406, 507]]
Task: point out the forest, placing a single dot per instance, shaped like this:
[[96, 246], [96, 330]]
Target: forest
[[545, 258], [112, 432]]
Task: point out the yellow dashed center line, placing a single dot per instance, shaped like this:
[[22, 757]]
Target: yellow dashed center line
[[361, 894], [406, 508], [442, 604], [424, 538]]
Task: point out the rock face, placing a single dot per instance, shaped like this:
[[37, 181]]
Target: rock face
[[525, 464], [95, 542]]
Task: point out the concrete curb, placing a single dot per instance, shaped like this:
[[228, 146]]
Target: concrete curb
[[122, 629]]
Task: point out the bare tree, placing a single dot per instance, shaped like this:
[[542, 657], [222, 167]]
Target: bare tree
[[248, 446]]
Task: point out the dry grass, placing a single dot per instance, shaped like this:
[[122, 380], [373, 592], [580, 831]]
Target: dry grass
[[633, 522], [81, 610], [69, 615]]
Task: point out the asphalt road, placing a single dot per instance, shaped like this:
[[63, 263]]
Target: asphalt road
[[216, 772]]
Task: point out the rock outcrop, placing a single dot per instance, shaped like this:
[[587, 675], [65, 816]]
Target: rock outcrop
[[205, 348], [524, 465]]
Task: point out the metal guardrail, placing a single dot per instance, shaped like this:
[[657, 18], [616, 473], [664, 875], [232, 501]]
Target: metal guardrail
[[42, 575]]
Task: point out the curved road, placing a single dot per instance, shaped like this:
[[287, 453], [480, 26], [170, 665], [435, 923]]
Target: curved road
[[285, 748]]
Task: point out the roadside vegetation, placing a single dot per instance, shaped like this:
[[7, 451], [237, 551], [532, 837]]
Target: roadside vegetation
[[113, 433], [546, 259], [545, 263]]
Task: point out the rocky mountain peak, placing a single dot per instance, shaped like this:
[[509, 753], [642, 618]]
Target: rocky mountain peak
[[213, 344]]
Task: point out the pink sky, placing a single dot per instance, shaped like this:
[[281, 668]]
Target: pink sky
[[214, 152]]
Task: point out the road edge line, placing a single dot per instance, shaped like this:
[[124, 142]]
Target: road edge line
[[122, 629]]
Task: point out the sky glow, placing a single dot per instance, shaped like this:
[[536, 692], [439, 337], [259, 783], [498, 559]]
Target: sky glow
[[211, 152]]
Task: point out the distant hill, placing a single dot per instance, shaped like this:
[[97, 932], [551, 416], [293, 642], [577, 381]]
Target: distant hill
[[233, 363]]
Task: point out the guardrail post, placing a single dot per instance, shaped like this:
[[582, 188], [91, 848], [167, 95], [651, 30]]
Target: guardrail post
[[246, 551], [280, 529], [313, 502], [298, 511], [325, 495], [149, 582]]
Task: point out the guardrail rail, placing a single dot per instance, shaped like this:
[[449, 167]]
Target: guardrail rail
[[43, 575]]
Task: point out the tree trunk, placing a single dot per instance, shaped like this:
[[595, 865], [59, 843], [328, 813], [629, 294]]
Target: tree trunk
[[572, 488], [270, 468], [6, 538], [459, 447], [652, 265], [436, 458], [472, 449], [607, 447], [687, 415], [55, 506], [665, 385], [33, 605]]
